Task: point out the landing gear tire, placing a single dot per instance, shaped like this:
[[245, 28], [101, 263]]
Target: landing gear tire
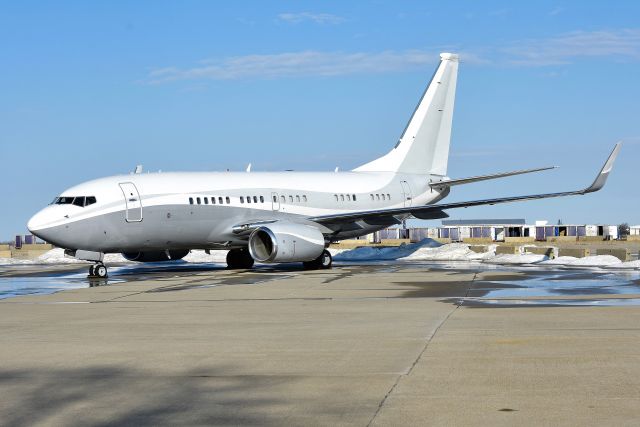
[[323, 262], [239, 259], [99, 271]]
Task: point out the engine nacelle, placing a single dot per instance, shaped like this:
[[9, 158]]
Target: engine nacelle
[[156, 256], [286, 242]]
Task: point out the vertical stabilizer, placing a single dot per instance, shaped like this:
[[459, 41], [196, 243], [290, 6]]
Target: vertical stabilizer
[[423, 147]]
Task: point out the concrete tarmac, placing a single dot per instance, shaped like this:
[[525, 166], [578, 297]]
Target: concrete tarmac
[[357, 345]]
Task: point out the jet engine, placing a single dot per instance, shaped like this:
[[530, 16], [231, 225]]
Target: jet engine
[[286, 242], [156, 256]]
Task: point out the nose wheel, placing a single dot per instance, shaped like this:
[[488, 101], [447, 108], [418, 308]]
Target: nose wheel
[[98, 270]]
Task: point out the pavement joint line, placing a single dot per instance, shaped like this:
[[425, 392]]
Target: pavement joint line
[[223, 300], [424, 349]]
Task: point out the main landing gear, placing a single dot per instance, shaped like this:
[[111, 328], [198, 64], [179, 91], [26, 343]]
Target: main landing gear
[[323, 262], [239, 259], [98, 271]]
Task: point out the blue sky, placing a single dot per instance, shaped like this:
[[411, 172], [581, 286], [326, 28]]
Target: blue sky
[[91, 89]]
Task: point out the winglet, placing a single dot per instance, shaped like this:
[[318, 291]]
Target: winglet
[[601, 179]]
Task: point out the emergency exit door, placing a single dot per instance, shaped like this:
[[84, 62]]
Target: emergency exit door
[[132, 201]]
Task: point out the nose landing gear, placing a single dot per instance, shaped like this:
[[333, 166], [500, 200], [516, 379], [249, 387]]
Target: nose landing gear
[[98, 270]]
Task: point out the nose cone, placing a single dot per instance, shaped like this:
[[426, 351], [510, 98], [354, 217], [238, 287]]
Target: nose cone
[[40, 222], [36, 222]]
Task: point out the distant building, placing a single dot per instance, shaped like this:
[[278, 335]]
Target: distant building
[[451, 222], [494, 229], [500, 230]]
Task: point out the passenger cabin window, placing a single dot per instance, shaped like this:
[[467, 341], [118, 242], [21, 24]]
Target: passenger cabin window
[[336, 196], [304, 198], [248, 199], [342, 197], [354, 197], [290, 199], [228, 200], [220, 200], [213, 200], [372, 197], [255, 199], [190, 200], [348, 197], [298, 199], [388, 196], [206, 200], [377, 197], [198, 200], [241, 199], [261, 199], [275, 199], [284, 199], [383, 197]]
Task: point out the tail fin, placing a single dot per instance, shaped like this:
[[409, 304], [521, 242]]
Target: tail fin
[[423, 147]]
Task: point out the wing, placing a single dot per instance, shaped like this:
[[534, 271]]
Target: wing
[[437, 210]]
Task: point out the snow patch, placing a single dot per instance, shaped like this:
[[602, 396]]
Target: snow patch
[[561, 260], [54, 256], [57, 256], [516, 259], [449, 252], [372, 253], [200, 256], [596, 261], [628, 264], [335, 252]]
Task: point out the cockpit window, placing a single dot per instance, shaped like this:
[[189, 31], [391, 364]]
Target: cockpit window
[[64, 200], [80, 201]]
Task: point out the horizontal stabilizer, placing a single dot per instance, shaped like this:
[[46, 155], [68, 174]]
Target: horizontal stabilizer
[[461, 181]]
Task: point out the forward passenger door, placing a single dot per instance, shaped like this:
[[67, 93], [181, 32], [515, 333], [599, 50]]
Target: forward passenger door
[[132, 201]]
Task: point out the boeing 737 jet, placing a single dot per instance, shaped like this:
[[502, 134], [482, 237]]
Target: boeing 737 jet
[[272, 217]]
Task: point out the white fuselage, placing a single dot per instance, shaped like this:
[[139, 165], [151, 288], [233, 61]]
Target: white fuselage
[[183, 209]]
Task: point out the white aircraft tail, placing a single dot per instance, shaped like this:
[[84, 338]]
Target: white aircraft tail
[[423, 147]]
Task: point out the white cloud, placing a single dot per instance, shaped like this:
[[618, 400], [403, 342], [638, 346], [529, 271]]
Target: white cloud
[[318, 18], [293, 64], [563, 49], [556, 11], [568, 47]]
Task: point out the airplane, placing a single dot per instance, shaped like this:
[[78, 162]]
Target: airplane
[[273, 217]]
